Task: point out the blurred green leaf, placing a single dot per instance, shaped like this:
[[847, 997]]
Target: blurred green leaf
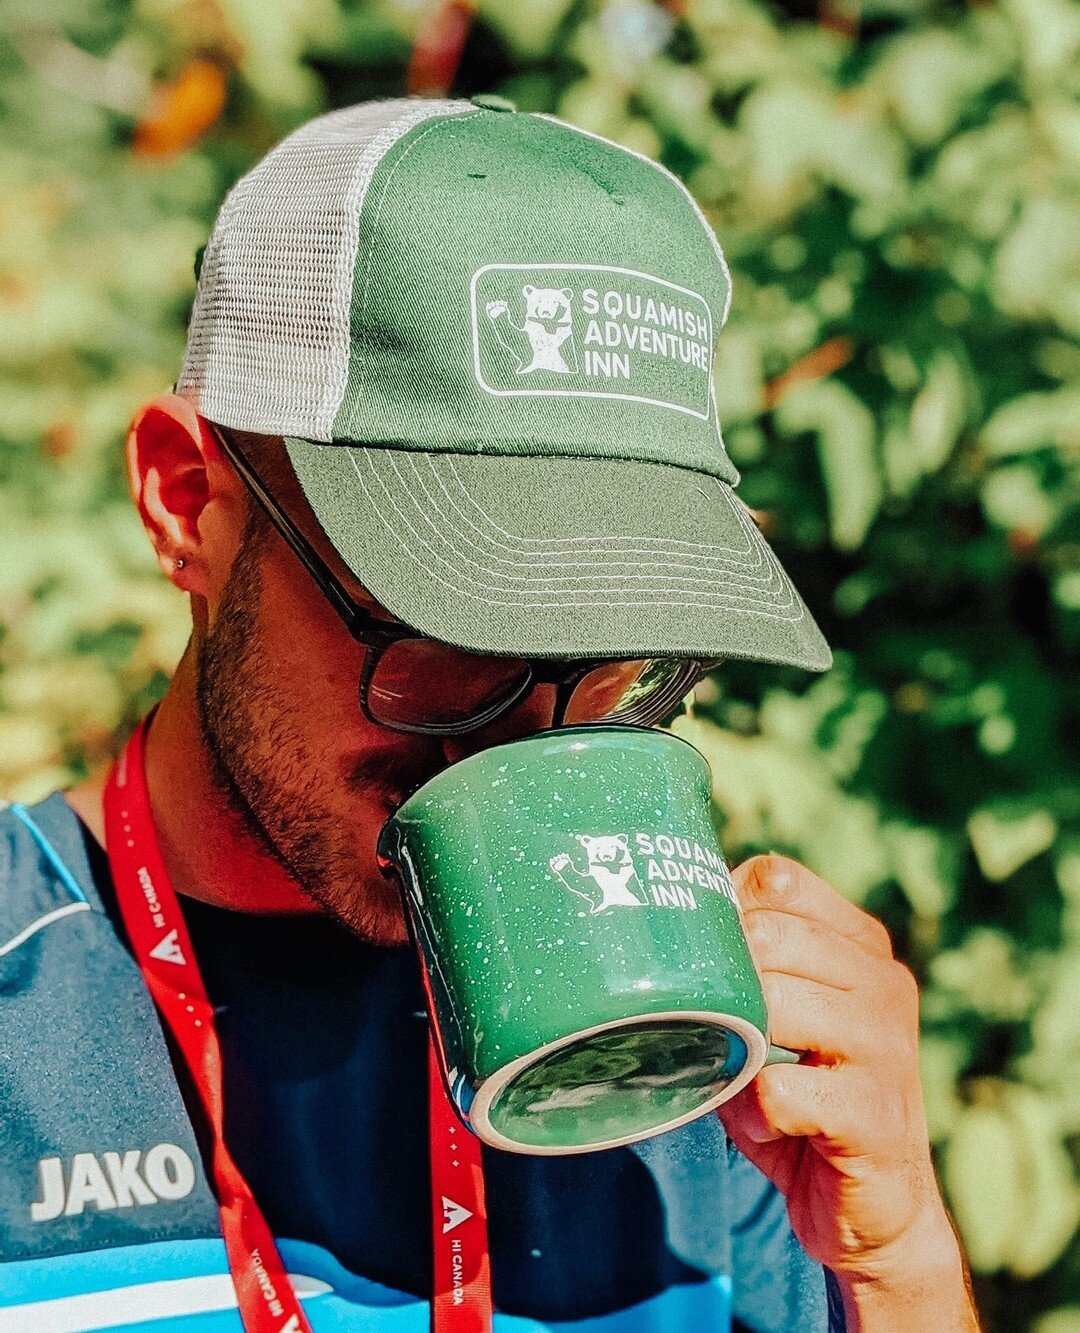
[[920, 863], [847, 448], [938, 412], [1034, 421], [1003, 842], [1064, 1320], [530, 29], [932, 76], [1037, 270]]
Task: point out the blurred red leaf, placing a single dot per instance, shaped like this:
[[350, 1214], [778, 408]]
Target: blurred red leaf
[[437, 51], [815, 365]]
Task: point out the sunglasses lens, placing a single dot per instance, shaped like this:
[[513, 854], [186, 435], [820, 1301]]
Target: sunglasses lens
[[420, 683], [639, 692]]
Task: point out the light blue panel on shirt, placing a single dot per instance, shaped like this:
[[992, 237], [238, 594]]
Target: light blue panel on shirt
[[184, 1287]]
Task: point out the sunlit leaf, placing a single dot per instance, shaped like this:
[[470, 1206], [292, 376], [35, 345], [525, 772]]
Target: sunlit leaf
[[847, 450], [1034, 421], [1003, 842]]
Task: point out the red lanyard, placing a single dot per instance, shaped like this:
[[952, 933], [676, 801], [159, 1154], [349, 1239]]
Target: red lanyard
[[159, 937]]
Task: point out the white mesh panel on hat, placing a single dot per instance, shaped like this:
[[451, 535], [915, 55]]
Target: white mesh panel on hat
[[268, 341]]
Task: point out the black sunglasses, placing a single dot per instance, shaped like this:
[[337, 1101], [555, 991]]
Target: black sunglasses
[[413, 683]]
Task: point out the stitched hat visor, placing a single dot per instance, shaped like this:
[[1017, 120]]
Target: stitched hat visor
[[558, 556]]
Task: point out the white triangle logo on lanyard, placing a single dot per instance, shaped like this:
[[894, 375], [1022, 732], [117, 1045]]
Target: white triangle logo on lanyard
[[168, 950], [453, 1214]]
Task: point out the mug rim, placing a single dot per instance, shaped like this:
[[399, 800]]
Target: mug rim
[[536, 738], [478, 1114]]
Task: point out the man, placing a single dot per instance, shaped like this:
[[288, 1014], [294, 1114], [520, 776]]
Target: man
[[442, 469]]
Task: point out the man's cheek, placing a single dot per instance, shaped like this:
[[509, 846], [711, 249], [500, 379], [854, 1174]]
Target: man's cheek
[[301, 622]]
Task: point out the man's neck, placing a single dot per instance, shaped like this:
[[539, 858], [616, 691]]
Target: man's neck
[[207, 851]]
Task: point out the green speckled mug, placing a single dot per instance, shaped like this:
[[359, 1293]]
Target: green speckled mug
[[584, 955]]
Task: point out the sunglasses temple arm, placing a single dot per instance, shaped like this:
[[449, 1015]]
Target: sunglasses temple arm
[[324, 577]]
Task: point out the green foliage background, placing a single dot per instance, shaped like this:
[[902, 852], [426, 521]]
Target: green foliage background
[[898, 190]]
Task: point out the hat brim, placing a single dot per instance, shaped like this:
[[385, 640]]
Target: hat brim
[[558, 556]]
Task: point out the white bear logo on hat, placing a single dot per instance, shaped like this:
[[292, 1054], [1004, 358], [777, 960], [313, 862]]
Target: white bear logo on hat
[[548, 329]]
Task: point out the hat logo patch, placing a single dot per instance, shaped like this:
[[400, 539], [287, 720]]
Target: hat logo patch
[[547, 330], [591, 331]]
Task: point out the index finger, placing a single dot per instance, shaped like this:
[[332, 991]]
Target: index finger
[[778, 884]]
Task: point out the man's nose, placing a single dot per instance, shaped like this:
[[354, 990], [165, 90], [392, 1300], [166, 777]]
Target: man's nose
[[534, 713]]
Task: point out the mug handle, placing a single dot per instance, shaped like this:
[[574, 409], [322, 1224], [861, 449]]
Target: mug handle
[[780, 1055]]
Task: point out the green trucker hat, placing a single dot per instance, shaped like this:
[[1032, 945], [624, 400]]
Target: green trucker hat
[[487, 338]]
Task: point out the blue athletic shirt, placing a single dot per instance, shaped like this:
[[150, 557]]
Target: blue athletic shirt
[[107, 1218]]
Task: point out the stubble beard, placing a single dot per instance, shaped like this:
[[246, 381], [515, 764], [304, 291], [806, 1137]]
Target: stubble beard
[[264, 771]]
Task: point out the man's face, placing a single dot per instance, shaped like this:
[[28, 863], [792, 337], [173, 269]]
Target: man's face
[[277, 688]]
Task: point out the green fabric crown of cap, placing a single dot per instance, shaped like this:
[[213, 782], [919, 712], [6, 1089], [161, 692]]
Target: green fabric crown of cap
[[523, 288]]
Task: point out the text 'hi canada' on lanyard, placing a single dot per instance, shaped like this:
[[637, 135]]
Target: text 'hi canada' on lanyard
[[155, 925]]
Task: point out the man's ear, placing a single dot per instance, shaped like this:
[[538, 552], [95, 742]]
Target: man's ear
[[175, 467]]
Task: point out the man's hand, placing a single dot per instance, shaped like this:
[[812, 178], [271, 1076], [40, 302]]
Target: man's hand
[[843, 1134]]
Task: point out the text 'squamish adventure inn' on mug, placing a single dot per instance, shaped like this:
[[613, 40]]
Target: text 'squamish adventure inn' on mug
[[587, 971]]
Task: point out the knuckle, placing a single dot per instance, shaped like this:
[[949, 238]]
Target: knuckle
[[895, 1053], [774, 986], [907, 989], [763, 932], [771, 986], [879, 935]]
